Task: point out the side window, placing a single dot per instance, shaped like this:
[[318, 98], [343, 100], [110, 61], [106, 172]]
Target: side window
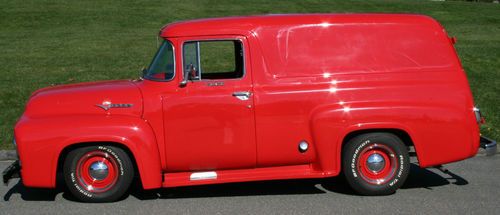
[[221, 59], [162, 66], [191, 53]]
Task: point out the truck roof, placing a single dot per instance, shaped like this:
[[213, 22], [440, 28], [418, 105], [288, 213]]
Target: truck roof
[[244, 25]]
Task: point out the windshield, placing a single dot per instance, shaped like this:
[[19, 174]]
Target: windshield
[[162, 67]]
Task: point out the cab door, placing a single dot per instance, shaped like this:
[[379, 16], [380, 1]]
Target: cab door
[[209, 122]]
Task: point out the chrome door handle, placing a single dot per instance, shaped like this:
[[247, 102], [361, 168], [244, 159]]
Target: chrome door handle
[[242, 95]]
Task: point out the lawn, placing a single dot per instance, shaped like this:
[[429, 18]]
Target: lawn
[[44, 43]]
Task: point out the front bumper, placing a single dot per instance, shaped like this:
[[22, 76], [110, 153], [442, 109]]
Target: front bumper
[[11, 172], [489, 145]]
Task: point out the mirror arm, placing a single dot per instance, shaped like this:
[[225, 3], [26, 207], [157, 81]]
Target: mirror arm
[[185, 79]]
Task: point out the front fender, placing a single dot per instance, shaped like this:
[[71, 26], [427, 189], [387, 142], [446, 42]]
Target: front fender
[[41, 141]]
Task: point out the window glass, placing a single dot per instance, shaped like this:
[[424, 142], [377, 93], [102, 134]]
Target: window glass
[[191, 59], [213, 59], [162, 67]]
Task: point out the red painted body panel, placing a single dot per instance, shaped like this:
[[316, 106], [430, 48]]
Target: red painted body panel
[[68, 99], [58, 117], [244, 175], [206, 127], [313, 78], [43, 139]]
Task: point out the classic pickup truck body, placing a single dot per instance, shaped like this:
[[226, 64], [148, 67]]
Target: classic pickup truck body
[[319, 80]]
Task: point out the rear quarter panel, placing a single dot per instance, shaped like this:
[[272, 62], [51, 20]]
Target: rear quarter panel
[[319, 82]]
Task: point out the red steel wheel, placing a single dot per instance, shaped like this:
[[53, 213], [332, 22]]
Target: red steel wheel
[[375, 163], [98, 173]]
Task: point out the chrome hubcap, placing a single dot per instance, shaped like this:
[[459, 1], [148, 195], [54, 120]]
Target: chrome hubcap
[[375, 162], [98, 170]]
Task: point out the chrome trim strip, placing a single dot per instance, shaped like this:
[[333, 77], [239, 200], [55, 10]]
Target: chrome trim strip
[[198, 55], [203, 176], [477, 113], [109, 106]]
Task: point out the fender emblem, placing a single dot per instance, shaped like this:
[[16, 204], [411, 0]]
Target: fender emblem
[[108, 105]]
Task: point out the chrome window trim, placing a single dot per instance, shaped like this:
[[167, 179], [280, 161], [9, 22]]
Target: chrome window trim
[[199, 59]]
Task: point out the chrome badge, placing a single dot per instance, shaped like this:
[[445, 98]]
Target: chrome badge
[[108, 105]]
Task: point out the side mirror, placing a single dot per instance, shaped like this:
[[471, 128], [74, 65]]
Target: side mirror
[[185, 79], [189, 74]]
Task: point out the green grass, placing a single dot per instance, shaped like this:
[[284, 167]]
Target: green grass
[[217, 57], [44, 43]]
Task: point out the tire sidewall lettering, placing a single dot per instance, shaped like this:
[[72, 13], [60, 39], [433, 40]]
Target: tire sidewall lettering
[[110, 151], [355, 157], [79, 188], [354, 170], [399, 173], [79, 180]]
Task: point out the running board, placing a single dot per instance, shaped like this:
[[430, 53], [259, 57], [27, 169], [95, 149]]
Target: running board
[[242, 175]]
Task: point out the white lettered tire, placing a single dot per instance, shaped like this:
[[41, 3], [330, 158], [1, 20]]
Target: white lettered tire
[[375, 163], [98, 173]]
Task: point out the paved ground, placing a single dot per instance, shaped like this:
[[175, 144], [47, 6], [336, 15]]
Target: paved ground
[[471, 186]]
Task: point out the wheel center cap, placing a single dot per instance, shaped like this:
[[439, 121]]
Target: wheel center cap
[[375, 162], [98, 170]]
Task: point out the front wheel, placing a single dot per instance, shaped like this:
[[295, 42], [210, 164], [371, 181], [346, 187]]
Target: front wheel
[[375, 163], [98, 173]]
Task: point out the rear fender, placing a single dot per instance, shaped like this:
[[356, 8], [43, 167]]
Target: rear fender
[[330, 127]]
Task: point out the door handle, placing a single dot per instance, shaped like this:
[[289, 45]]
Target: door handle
[[242, 95]]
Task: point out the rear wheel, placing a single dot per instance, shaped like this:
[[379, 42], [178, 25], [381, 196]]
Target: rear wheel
[[98, 173], [375, 163]]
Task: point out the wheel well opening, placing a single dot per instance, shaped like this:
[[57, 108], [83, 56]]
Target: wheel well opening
[[399, 133], [67, 149], [403, 135]]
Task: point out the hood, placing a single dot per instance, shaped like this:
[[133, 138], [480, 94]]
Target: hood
[[107, 98]]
